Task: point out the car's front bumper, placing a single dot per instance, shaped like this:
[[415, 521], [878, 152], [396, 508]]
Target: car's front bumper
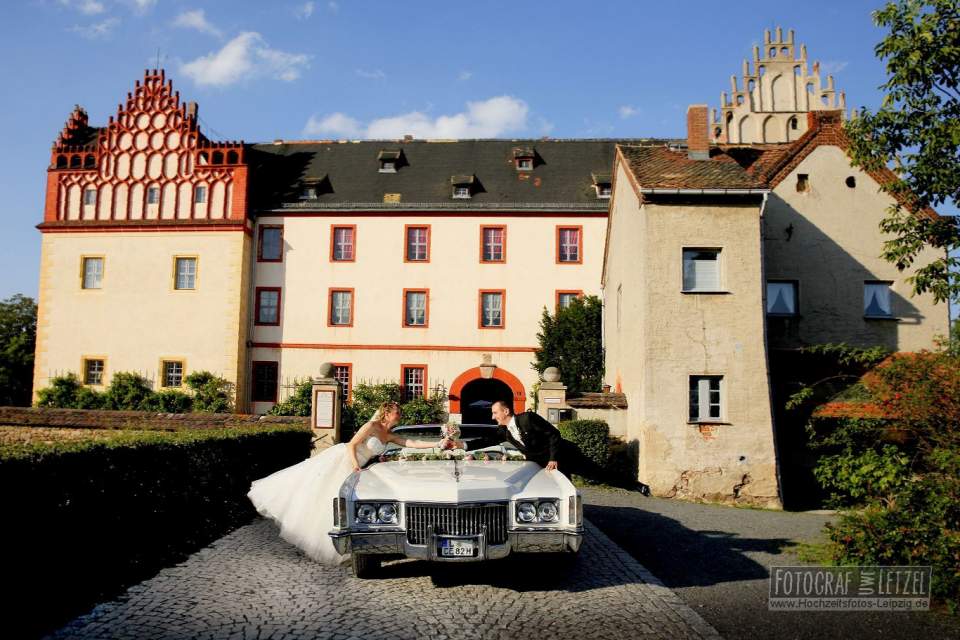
[[518, 541]]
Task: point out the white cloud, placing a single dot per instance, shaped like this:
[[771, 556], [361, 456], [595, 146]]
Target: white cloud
[[244, 57], [196, 20], [465, 75], [335, 125], [376, 74], [143, 5], [97, 30], [485, 119], [303, 11], [627, 111], [86, 7], [333, 6], [833, 66]]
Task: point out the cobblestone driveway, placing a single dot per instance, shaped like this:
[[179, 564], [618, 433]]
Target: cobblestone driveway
[[251, 584]]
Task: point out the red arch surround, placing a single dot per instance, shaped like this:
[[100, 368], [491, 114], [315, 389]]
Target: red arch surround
[[512, 381]]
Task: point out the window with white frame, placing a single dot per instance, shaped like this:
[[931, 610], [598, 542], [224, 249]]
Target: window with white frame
[[186, 273], [418, 244], [706, 400], [524, 164], [200, 194], [413, 382], [308, 193], [89, 196], [493, 244], [153, 195], [565, 299], [92, 273], [415, 306], [93, 371], [343, 243], [461, 192], [172, 373], [781, 298], [491, 313], [604, 191], [341, 307], [341, 373], [701, 270], [876, 300], [568, 248], [388, 166]]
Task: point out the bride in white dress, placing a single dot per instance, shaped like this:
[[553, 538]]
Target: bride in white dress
[[300, 498]]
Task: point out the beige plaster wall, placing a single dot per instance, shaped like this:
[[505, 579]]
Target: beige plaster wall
[[137, 318], [454, 276], [828, 238], [666, 336]]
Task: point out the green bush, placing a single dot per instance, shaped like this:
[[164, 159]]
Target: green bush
[[367, 398], [93, 517], [62, 392], [592, 437], [423, 410], [853, 477], [170, 401], [298, 403], [128, 392], [211, 393]]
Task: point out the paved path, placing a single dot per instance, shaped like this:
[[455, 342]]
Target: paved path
[[251, 584], [717, 560]]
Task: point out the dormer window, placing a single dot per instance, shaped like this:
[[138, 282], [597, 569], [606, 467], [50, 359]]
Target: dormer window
[[523, 158], [389, 160], [313, 188], [603, 185], [462, 187]]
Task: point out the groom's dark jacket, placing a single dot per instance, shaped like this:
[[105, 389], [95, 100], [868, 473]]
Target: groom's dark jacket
[[541, 440]]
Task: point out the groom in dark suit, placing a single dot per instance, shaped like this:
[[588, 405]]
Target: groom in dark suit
[[541, 442]]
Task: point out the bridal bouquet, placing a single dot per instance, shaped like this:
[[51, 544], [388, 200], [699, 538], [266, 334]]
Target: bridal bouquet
[[450, 430]]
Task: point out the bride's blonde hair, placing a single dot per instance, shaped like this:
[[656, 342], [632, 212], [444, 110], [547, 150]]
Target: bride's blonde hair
[[384, 409]]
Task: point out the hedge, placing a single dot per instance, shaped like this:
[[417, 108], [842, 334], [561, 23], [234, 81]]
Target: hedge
[[85, 519], [591, 436]]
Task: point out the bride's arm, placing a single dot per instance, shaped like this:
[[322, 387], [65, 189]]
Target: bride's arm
[[360, 436], [414, 444]]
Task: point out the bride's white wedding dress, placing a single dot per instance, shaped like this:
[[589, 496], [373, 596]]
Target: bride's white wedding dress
[[300, 498]]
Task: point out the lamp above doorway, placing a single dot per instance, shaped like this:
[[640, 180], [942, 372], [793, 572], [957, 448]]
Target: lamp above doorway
[[487, 367]]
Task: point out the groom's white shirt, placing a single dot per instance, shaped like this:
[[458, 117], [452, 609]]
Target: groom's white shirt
[[514, 431]]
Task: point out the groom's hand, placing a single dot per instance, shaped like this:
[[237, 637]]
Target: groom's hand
[[551, 466]]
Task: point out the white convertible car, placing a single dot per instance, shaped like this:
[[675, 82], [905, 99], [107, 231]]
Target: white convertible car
[[454, 506]]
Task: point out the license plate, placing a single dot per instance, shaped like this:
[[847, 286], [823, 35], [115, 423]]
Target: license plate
[[456, 548]]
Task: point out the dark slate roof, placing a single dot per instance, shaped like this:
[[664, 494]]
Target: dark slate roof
[[561, 178], [664, 168]]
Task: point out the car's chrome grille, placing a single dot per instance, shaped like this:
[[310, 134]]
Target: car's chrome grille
[[457, 520]]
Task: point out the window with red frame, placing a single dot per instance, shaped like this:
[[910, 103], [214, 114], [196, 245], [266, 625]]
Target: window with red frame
[[265, 381], [268, 306], [271, 244]]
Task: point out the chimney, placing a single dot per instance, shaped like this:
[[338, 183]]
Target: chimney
[[408, 138], [698, 142]]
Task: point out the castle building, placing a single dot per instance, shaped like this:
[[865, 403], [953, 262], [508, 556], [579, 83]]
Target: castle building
[[430, 262]]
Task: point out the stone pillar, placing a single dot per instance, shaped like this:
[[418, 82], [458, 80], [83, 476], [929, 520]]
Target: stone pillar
[[552, 397], [325, 414]]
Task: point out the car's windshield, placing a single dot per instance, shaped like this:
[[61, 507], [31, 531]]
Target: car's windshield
[[480, 443]]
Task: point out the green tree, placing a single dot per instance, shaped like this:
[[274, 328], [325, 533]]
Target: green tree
[[18, 334], [128, 392], [571, 341], [917, 129]]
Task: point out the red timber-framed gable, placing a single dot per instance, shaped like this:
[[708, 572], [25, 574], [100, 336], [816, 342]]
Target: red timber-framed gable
[[149, 167]]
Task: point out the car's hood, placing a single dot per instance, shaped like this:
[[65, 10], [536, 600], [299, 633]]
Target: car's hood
[[437, 481]]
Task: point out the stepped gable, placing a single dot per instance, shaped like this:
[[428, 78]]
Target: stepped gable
[[146, 164]]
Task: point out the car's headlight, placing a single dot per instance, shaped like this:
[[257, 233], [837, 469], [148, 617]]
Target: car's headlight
[[366, 513], [377, 512], [387, 513], [547, 512], [526, 512]]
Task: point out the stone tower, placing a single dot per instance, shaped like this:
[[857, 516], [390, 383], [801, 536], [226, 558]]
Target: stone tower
[[769, 103]]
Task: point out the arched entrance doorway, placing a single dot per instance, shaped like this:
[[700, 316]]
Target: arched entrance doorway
[[477, 397], [474, 390]]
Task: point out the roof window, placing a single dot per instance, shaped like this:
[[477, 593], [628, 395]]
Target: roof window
[[524, 158], [603, 185], [313, 188], [463, 186], [389, 160]]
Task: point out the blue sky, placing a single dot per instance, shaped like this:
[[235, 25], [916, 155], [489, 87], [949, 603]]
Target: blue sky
[[352, 68]]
